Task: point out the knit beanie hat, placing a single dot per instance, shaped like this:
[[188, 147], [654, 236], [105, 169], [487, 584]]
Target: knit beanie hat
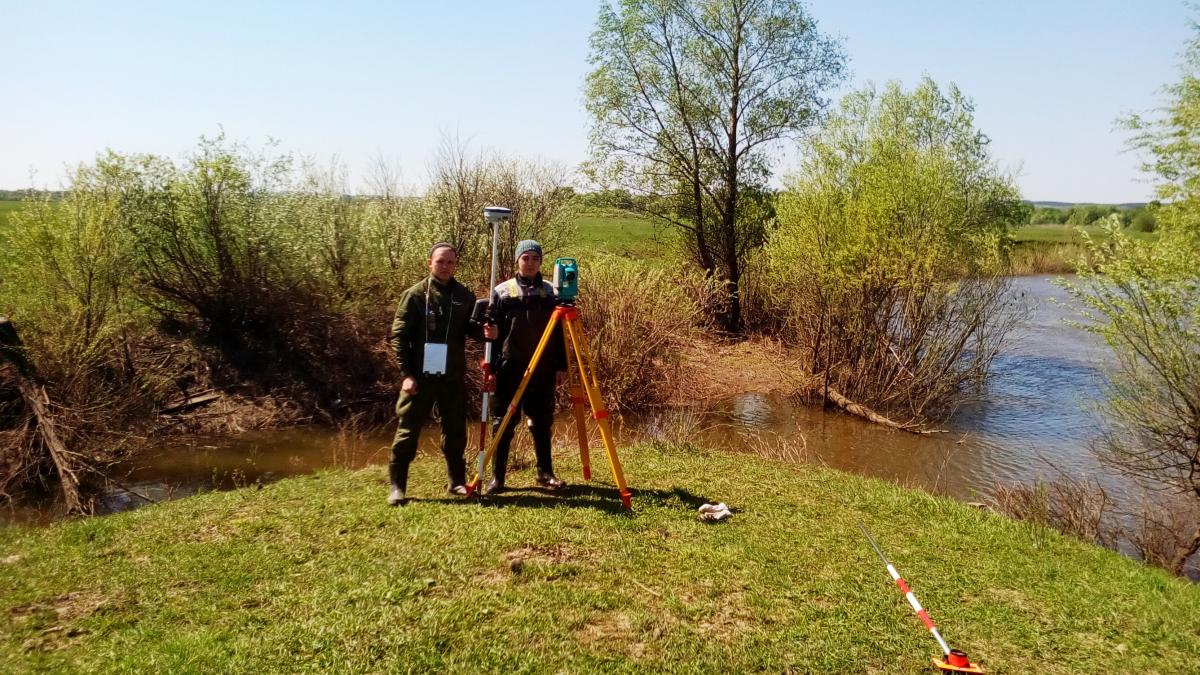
[[442, 244], [526, 245]]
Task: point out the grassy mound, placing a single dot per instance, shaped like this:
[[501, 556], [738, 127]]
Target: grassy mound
[[317, 573]]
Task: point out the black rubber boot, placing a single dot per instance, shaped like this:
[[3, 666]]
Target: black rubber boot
[[539, 428], [548, 480], [494, 487], [398, 475], [499, 469], [456, 482], [500, 462]]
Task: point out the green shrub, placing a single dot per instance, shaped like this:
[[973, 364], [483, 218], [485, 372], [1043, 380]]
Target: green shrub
[[888, 251], [1143, 221], [638, 319]]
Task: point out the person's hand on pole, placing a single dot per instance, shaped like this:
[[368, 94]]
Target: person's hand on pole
[[409, 386], [491, 331]]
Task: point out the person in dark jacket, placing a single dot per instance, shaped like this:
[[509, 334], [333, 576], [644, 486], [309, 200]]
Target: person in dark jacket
[[521, 309], [436, 311]]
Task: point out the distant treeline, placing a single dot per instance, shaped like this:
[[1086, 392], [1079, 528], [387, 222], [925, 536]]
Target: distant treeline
[[16, 195], [1140, 218]]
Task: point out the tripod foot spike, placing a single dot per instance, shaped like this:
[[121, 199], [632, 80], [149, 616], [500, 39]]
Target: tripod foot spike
[[472, 487], [587, 473], [626, 499]]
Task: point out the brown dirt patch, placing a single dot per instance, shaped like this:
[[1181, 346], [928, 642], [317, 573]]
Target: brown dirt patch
[[516, 561], [493, 577], [66, 607], [728, 619], [608, 627], [53, 624], [718, 369], [545, 555], [612, 631]]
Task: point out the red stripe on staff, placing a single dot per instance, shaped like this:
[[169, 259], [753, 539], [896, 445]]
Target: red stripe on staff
[[908, 594], [925, 618]]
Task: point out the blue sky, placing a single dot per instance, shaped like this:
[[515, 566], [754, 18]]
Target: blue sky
[[366, 79]]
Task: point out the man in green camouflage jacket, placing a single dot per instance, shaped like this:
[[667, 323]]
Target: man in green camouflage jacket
[[435, 310]]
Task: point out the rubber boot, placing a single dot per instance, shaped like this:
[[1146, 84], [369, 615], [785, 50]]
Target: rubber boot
[[398, 475], [456, 469], [496, 484], [499, 465], [540, 430], [396, 496], [548, 480]]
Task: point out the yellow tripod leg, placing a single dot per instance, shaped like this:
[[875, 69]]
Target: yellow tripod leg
[[514, 405], [577, 399], [591, 386]]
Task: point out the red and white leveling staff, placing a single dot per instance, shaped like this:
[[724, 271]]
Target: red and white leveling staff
[[955, 661]]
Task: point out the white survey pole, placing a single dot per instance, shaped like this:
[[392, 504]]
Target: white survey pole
[[495, 216]]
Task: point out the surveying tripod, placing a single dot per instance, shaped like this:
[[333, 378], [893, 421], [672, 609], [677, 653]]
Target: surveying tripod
[[582, 383]]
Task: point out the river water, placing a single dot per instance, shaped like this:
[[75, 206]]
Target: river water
[[1033, 422]]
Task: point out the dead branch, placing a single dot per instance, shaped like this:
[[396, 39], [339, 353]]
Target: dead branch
[[33, 392], [866, 413]]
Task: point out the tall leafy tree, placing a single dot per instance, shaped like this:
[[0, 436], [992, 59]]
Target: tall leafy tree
[[689, 100]]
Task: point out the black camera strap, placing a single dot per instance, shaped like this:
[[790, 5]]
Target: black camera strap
[[429, 311]]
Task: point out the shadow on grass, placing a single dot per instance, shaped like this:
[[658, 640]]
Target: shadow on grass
[[599, 497]]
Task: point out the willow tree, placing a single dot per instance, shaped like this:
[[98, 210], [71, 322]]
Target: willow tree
[[689, 100], [889, 253]]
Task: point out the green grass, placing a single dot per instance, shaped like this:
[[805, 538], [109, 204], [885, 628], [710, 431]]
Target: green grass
[[1066, 233], [1040, 249], [317, 573], [7, 207], [620, 233], [1055, 249]]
